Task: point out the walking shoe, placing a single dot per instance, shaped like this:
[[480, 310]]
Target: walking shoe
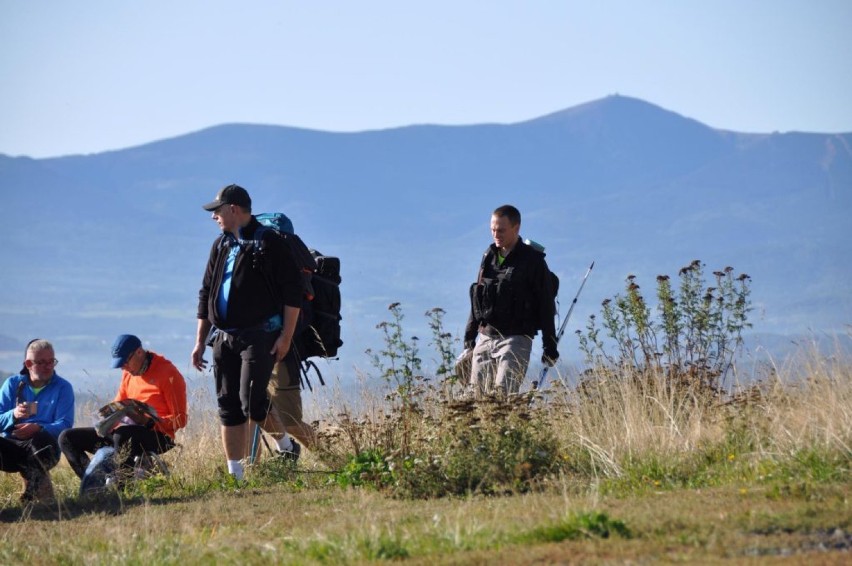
[[291, 455], [37, 487]]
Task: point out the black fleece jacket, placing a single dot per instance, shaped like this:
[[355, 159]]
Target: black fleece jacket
[[521, 296], [263, 282]]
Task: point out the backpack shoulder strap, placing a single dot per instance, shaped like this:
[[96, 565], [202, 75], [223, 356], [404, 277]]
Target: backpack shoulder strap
[[257, 237], [482, 265], [223, 241]]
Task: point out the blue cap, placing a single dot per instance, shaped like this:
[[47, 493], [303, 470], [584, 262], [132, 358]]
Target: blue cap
[[123, 346]]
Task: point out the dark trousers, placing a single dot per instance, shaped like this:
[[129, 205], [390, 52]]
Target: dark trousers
[[129, 441], [39, 453], [242, 365]]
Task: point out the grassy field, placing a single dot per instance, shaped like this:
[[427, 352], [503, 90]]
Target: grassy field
[[292, 523], [624, 465]]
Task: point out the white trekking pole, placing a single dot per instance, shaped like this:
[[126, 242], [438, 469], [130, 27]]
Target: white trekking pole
[[540, 383]]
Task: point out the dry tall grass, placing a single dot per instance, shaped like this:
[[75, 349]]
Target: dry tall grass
[[642, 428], [612, 426]]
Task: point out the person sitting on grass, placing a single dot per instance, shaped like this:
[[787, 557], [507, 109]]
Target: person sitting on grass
[[36, 405], [146, 377]]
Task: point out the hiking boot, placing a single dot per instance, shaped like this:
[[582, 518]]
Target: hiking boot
[[37, 487], [291, 455]]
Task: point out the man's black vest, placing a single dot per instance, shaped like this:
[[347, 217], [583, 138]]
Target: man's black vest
[[504, 296]]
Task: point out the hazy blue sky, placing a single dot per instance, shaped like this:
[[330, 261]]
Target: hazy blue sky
[[87, 76]]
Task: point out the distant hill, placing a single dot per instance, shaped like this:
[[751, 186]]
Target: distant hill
[[102, 244]]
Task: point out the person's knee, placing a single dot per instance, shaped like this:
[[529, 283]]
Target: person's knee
[[257, 404], [65, 443], [232, 418], [231, 412], [45, 449], [258, 411], [47, 457]]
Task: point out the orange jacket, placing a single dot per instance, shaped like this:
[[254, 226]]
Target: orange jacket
[[161, 386]]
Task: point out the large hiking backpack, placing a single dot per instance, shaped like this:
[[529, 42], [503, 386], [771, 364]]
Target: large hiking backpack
[[322, 335], [319, 330]]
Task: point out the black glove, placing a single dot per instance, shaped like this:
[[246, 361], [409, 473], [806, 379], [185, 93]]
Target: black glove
[[549, 357]]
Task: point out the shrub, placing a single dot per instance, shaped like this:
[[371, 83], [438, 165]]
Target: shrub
[[695, 338], [492, 446]]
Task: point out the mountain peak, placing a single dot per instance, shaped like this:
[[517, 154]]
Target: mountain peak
[[615, 108]]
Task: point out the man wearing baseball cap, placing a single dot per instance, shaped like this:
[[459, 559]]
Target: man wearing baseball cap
[[149, 378], [251, 292]]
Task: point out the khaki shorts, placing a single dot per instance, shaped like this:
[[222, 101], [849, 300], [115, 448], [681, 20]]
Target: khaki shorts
[[285, 391]]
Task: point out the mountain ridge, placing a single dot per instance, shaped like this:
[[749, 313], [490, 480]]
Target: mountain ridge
[[635, 187]]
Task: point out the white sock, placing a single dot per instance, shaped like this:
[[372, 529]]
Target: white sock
[[285, 443], [235, 468]]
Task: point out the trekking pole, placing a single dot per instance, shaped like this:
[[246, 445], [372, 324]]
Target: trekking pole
[[540, 383], [255, 444]]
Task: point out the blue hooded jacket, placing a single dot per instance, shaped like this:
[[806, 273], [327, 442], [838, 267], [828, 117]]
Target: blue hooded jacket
[[55, 404]]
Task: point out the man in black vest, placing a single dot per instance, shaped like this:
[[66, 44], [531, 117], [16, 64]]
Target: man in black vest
[[252, 293], [512, 299]]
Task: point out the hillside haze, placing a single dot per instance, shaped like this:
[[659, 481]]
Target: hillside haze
[[115, 242]]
